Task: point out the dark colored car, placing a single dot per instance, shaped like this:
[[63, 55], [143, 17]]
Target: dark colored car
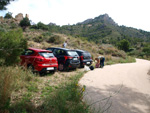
[[85, 58], [67, 59], [39, 60]]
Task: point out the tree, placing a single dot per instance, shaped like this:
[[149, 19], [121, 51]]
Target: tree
[[8, 15], [3, 4], [41, 25], [12, 44], [146, 49], [124, 45], [25, 23]]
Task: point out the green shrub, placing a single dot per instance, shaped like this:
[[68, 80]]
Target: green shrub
[[34, 27], [124, 45], [146, 50], [12, 44], [47, 34], [13, 25], [56, 39], [101, 51], [2, 29], [67, 98], [40, 25], [8, 15], [24, 23], [39, 39]]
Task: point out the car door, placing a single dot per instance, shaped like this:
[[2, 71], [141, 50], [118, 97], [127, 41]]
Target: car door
[[22, 57], [59, 55], [27, 57]]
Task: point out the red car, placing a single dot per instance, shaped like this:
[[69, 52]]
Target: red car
[[39, 60]]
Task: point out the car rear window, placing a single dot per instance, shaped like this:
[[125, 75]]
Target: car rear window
[[46, 54], [86, 54], [72, 53]]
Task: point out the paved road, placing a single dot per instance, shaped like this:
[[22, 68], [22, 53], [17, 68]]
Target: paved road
[[119, 88]]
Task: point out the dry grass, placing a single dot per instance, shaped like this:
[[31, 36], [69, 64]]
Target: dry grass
[[11, 78], [73, 43], [21, 90]]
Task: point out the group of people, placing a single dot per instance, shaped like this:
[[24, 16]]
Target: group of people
[[100, 62]]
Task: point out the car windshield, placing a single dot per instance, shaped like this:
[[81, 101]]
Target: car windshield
[[46, 54], [72, 53]]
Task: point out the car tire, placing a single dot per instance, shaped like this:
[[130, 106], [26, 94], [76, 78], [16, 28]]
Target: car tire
[[60, 67], [81, 66]]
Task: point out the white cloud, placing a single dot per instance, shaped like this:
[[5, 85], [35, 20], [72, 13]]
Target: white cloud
[[132, 13]]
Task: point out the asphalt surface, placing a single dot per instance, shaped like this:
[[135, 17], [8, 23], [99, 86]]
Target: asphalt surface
[[119, 88]]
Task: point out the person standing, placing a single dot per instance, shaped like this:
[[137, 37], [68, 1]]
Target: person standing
[[65, 44]]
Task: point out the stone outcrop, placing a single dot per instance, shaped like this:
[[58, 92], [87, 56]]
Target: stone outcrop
[[27, 16], [15, 20], [1, 19], [19, 17]]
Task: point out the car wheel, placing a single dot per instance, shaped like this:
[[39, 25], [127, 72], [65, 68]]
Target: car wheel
[[81, 66], [42, 73], [60, 67], [52, 72]]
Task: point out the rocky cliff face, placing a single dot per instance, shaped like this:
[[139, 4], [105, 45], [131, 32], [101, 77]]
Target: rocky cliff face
[[19, 17], [16, 20]]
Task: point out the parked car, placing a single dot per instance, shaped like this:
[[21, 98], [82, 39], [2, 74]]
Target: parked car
[[85, 58], [67, 59], [39, 60]]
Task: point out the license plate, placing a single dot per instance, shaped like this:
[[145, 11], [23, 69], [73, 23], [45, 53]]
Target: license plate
[[87, 62], [50, 68], [74, 58]]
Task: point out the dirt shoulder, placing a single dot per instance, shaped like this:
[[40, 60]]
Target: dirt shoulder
[[123, 88]]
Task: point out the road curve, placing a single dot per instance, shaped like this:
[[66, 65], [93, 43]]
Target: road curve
[[119, 88]]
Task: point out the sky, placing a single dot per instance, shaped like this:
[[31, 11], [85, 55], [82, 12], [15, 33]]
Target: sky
[[130, 13]]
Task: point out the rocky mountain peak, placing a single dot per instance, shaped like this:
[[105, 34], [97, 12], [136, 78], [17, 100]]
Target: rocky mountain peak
[[105, 19]]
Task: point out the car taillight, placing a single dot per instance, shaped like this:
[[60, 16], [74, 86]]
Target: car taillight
[[68, 57], [39, 59], [81, 57]]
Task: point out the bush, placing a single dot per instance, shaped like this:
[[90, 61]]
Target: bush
[[56, 39], [13, 25], [47, 34], [67, 98], [39, 39], [124, 45], [2, 29], [12, 44], [146, 50], [24, 23], [101, 51], [8, 15], [40, 25]]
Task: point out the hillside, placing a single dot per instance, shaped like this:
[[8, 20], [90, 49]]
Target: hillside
[[103, 29], [100, 30]]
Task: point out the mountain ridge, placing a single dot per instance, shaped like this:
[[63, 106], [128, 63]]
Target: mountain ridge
[[103, 29]]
